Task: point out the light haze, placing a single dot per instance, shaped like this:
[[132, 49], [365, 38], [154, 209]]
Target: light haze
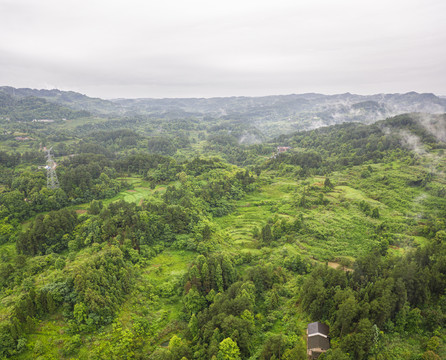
[[173, 48]]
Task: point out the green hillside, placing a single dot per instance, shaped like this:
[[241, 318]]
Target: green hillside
[[169, 238], [34, 108]]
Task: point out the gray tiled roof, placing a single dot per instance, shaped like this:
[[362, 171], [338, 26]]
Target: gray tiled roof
[[318, 342], [318, 327]]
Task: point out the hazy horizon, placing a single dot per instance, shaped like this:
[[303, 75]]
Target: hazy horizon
[[229, 96]]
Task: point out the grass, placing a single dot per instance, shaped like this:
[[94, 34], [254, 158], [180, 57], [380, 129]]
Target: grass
[[47, 339], [168, 265], [139, 190], [74, 123], [154, 287], [339, 228], [252, 212]]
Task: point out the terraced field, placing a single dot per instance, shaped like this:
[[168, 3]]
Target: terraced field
[[253, 213], [336, 230]]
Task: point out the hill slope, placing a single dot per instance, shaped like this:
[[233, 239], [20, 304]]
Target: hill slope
[[269, 115], [29, 108]]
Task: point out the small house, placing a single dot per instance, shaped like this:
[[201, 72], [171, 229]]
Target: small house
[[318, 341], [281, 149]]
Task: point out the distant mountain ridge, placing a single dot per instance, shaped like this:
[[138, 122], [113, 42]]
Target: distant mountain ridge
[[34, 108], [72, 99], [271, 115], [414, 102]]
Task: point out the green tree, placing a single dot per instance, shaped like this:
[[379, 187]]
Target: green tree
[[228, 350], [95, 207], [219, 278], [413, 321], [205, 281], [346, 314], [178, 348], [327, 183], [298, 352], [430, 355], [193, 326], [375, 213], [433, 343], [194, 302], [206, 232], [16, 205], [274, 347], [80, 312], [266, 235], [334, 354], [7, 229], [359, 343]]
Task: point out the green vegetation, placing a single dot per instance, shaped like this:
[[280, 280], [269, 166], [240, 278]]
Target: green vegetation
[[30, 108], [169, 239]]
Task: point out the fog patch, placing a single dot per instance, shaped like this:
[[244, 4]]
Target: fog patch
[[411, 142], [435, 125], [249, 139], [416, 202]]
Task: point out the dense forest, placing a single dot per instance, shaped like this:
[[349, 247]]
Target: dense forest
[[184, 234]]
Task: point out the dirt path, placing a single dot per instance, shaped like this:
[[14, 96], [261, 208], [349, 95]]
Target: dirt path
[[335, 265]]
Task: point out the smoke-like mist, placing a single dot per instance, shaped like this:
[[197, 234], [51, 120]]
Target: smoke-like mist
[[411, 142], [434, 125]]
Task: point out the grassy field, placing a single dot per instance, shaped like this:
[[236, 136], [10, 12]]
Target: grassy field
[[338, 228], [254, 211], [139, 189]]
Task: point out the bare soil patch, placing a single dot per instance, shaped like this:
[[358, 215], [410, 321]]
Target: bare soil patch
[[335, 265]]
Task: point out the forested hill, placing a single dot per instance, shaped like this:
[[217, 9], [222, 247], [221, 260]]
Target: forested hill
[[30, 108], [354, 144], [429, 128], [321, 106], [171, 239], [338, 146], [71, 99], [268, 116]]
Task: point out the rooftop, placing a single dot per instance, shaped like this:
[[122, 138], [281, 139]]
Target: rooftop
[[318, 328]]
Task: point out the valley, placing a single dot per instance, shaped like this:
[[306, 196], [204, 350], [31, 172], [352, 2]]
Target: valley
[[170, 237]]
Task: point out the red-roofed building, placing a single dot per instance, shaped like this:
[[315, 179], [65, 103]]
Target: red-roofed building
[[281, 149]]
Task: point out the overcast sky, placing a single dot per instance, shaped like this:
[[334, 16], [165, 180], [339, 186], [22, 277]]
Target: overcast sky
[[192, 48]]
